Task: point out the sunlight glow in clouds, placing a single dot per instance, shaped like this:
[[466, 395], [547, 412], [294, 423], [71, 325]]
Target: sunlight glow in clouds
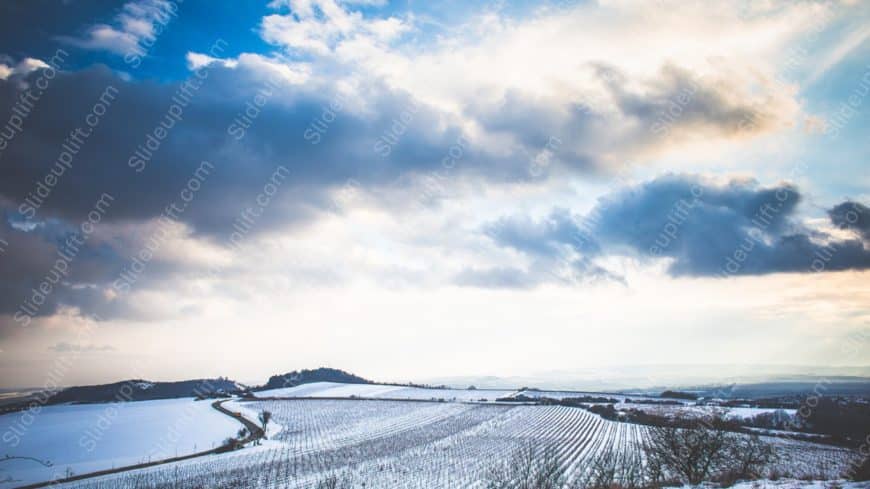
[[484, 178]]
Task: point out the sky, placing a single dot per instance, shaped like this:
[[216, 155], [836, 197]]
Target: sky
[[411, 190]]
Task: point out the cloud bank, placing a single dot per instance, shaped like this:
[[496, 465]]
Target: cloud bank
[[701, 227]]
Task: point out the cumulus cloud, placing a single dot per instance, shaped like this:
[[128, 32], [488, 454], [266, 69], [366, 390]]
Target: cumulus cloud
[[702, 227], [320, 27], [343, 105], [373, 146], [209, 130]]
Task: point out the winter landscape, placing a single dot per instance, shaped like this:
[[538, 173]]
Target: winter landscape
[[357, 433], [446, 244]]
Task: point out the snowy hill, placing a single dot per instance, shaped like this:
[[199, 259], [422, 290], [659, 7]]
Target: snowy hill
[[322, 374], [143, 390]]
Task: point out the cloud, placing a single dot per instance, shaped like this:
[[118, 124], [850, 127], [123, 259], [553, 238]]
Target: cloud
[[65, 347], [137, 25], [542, 237], [373, 146], [32, 258], [853, 216], [701, 227], [209, 130], [558, 247], [22, 68], [497, 278], [580, 75], [344, 104], [320, 27]]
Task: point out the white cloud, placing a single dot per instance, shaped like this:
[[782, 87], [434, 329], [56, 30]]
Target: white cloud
[[137, 25], [22, 68], [321, 27], [551, 62]]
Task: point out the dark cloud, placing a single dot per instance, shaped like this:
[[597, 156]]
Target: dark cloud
[[32, 259], [705, 229], [392, 138], [853, 216]]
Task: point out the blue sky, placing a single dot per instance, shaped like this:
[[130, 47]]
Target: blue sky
[[368, 184]]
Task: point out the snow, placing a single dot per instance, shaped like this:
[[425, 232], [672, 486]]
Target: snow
[[428, 445], [90, 437], [691, 411], [537, 394], [247, 410], [357, 428], [329, 389], [799, 484], [381, 391], [746, 412]]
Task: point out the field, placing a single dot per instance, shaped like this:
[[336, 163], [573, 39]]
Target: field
[[89, 437], [378, 391], [417, 444], [683, 408]]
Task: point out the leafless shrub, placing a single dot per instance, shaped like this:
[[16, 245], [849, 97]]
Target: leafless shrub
[[530, 467], [706, 452], [746, 457], [610, 471], [333, 482]]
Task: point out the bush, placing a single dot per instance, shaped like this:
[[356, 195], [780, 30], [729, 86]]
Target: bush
[[230, 444], [333, 482], [608, 471], [708, 451], [748, 456], [529, 468]]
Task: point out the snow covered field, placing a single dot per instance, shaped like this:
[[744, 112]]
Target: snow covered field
[[379, 391], [689, 412], [90, 437], [685, 408], [538, 394], [408, 444]]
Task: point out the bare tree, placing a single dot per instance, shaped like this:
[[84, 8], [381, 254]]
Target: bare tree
[[692, 454], [602, 472], [608, 470], [264, 417], [748, 456], [530, 467], [705, 452], [333, 482]]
